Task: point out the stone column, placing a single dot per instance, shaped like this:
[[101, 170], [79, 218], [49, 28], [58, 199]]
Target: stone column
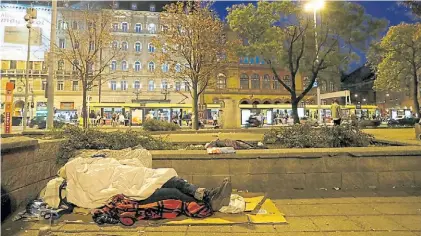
[[231, 114]]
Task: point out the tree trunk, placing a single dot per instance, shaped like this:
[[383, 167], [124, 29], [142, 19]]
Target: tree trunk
[[294, 104], [195, 113], [84, 108], [415, 95]]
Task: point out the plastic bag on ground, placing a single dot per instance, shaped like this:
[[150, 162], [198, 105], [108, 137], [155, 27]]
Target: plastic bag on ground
[[237, 205], [220, 150]]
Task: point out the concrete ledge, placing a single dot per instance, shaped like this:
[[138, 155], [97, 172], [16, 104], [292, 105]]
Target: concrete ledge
[[27, 165], [8, 144], [290, 153], [267, 170]]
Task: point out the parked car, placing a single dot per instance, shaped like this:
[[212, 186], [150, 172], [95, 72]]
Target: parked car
[[34, 122], [403, 122], [40, 122]]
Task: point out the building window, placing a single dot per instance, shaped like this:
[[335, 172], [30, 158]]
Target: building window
[[177, 67], [60, 65], [221, 81], [255, 81], [244, 81], [177, 86], [276, 83], [134, 6], [124, 46], [152, 28], [164, 84], [137, 85], [113, 85], [62, 43], [75, 85], [13, 64], [75, 65], [138, 28], [44, 85], [287, 80], [151, 85], [123, 85], [60, 85], [92, 46], [151, 66], [152, 7], [138, 46], [186, 87], [266, 82], [124, 65], [74, 25], [114, 45], [115, 27], [306, 82], [164, 68], [137, 66], [331, 86], [151, 47], [124, 26], [113, 65]]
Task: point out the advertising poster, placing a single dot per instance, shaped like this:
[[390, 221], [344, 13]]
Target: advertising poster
[[137, 116], [14, 34]]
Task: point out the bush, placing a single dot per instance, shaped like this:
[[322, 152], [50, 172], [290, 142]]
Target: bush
[[157, 125], [304, 136], [77, 138]]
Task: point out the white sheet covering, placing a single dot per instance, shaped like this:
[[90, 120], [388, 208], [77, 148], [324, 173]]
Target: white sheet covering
[[91, 182]]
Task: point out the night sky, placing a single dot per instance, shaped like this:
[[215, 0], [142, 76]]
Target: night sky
[[391, 11]]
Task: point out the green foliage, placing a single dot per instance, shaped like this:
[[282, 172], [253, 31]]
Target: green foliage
[[157, 125], [396, 59], [284, 36], [304, 136], [76, 138]]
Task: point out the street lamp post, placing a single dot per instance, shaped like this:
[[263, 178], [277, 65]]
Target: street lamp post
[[51, 65], [31, 14], [314, 6]]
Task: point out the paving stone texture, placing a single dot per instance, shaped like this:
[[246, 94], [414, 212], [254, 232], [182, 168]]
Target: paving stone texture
[[323, 213]]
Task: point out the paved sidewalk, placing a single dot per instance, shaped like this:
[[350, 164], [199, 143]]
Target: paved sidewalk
[[320, 213]]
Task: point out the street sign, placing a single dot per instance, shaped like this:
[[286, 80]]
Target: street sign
[[9, 107], [315, 84]]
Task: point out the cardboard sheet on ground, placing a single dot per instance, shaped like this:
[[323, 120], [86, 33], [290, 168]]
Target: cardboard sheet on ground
[[268, 214]]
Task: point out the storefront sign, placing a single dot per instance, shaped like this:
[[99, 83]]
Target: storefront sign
[[8, 103], [67, 105], [137, 116]]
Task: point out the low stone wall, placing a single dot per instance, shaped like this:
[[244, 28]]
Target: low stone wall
[[271, 171], [27, 165]]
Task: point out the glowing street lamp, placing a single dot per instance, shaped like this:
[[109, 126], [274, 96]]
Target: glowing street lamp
[[315, 6]]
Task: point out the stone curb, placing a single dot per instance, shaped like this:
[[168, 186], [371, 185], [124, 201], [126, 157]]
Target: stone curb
[[17, 143]]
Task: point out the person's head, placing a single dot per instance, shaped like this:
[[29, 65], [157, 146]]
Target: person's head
[[335, 101]]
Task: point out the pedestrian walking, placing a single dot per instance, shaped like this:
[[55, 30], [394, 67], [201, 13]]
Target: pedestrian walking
[[215, 119], [336, 113]]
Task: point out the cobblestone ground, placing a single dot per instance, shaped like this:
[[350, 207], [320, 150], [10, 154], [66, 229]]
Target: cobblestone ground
[[320, 213]]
